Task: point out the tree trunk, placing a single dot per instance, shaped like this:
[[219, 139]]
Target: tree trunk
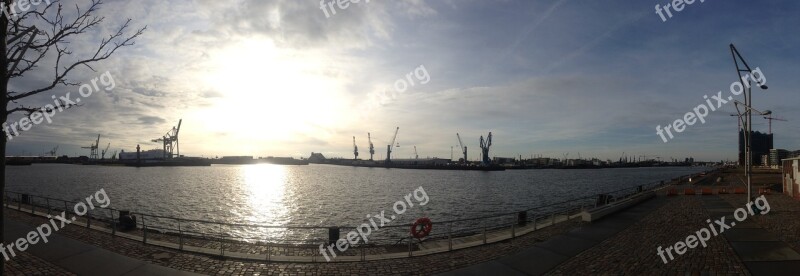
[[3, 118]]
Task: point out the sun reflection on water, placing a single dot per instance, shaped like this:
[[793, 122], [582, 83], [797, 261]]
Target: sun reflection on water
[[265, 188]]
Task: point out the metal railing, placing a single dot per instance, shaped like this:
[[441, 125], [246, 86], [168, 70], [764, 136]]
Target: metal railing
[[270, 242]]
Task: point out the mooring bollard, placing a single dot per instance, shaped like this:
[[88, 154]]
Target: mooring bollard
[[333, 235]]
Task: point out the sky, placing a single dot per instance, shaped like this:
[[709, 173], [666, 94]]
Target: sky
[[551, 78]]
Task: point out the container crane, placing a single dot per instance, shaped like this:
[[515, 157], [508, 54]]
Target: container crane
[[485, 145], [53, 151], [463, 148], [770, 118], [93, 148], [389, 147], [371, 147], [103, 153], [170, 141], [355, 149]]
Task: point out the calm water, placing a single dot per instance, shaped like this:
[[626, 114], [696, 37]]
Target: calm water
[[320, 195]]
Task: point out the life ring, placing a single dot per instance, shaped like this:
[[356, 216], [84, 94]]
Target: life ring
[[423, 231]]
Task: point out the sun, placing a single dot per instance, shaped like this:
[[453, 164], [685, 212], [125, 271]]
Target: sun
[[269, 93]]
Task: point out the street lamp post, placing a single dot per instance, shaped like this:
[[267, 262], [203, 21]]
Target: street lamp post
[[748, 102], [747, 137]]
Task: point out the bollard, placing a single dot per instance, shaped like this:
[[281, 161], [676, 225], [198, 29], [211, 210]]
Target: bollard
[[333, 235]]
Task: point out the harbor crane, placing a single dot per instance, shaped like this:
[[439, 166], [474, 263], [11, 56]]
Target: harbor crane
[[389, 147], [770, 118], [355, 149], [114, 155], [463, 148], [371, 147], [485, 149], [416, 156], [103, 153], [53, 151], [170, 141], [93, 148]]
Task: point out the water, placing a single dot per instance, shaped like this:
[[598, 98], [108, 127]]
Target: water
[[321, 195]]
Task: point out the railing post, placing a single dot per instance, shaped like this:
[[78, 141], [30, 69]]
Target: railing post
[[363, 252], [114, 223], [554, 219], [410, 243], [450, 236], [88, 218], [144, 230], [180, 236], [33, 206], [269, 250], [48, 205], [513, 230], [484, 233], [534, 222], [19, 202], [65, 208], [221, 245]]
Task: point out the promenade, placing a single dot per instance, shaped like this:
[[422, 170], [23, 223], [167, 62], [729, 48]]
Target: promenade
[[624, 243]]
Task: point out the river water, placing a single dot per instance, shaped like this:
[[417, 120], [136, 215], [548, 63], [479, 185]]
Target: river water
[[321, 195]]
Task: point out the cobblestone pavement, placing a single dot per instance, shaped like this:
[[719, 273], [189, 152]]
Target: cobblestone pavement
[[424, 265], [782, 219], [27, 264], [633, 251]]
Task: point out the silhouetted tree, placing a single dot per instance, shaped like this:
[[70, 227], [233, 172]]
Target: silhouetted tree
[[40, 34]]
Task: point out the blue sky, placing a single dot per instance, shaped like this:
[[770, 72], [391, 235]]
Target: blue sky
[[254, 77]]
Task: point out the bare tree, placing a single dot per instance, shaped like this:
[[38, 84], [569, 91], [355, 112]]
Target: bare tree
[[36, 40]]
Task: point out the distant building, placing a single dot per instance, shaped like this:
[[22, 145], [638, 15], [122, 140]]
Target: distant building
[[760, 145], [775, 157], [791, 177], [153, 154], [504, 160], [316, 157]]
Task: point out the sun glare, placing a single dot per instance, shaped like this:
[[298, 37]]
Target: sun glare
[[270, 94]]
